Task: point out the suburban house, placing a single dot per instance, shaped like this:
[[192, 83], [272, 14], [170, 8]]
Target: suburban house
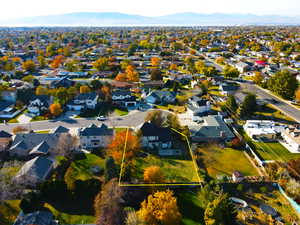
[[198, 107], [211, 128], [291, 137], [161, 97], [39, 104], [64, 82], [35, 170], [37, 217], [9, 96], [262, 129], [227, 89], [72, 74], [60, 130], [31, 144], [8, 110], [237, 176], [242, 67], [154, 137], [5, 139], [95, 137], [123, 98], [83, 101]]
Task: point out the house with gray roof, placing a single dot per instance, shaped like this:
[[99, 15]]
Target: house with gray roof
[[35, 170], [94, 136], [84, 100], [38, 217], [211, 128], [161, 97], [27, 144]]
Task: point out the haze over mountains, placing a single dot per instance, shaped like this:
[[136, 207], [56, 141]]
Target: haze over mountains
[[121, 19]]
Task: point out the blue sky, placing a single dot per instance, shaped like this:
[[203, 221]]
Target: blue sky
[[24, 8]]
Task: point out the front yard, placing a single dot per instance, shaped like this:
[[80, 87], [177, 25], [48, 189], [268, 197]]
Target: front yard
[[223, 161]]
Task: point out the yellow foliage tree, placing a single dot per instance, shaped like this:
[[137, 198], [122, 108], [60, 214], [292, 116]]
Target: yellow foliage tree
[[55, 109], [84, 89], [155, 61], [297, 95], [160, 208], [40, 90], [153, 174]]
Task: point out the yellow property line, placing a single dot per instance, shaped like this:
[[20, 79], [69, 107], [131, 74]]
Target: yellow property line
[[123, 157], [165, 184]]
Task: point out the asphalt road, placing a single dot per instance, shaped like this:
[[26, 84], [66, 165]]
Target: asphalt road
[[130, 120], [269, 98]]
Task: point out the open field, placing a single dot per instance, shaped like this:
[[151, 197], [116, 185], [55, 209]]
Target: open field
[[223, 161]]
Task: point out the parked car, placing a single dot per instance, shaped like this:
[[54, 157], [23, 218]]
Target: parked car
[[101, 118]]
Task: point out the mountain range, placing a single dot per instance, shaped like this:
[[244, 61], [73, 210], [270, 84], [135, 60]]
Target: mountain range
[[121, 19]]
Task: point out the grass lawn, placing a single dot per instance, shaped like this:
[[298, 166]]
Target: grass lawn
[[43, 132], [9, 211], [274, 151], [189, 205], [269, 112], [174, 108], [120, 112], [82, 168], [174, 170], [39, 118], [218, 161], [65, 218]]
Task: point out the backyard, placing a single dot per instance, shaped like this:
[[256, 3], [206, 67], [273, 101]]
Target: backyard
[[223, 161]]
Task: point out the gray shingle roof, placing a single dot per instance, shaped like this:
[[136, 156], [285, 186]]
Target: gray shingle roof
[[42, 148], [38, 167], [150, 129], [61, 129], [4, 134], [93, 130]]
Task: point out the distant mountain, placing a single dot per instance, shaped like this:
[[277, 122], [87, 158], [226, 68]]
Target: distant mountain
[[121, 19]]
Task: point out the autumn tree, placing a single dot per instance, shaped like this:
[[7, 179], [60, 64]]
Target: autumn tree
[[42, 61], [28, 78], [19, 129], [55, 109], [106, 91], [84, 89], [29, 66], [108, 204], [258, 78], [131, 74], [155, 117], [155, 61], [153, 174], [101, 64], [66, 146], [297, 95], [116, 147], [58, 60], [230, 72], [173, 66], [160, 208]]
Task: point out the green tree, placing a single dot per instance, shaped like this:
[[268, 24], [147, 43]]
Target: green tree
[[248, 107], [29, 66], [156, 74], [101, 64], [110, 170], [231, 104], [220, 211], [284, 84], [230, 72]]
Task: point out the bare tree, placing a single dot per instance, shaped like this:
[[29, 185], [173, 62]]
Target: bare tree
[[67, 145]]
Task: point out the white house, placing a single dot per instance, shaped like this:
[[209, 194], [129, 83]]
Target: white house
[[95, 137], [262, 129], [291, 137], [124, 98], [39, 104], [82, 101]]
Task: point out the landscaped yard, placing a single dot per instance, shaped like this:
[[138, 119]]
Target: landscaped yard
[[274, 151], [120, 112], [223, 161], [9, 211], [81, 169], [174, 170]]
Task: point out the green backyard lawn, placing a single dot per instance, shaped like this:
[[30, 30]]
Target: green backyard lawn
[[274, 151], [223, 161], [81, 169], [174, 170]]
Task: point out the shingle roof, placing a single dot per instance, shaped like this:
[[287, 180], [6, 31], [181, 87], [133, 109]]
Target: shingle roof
[[93, 130], [43, 148], [37, 167], [86, 96], [61, 129], [4, 134], [150, 129]]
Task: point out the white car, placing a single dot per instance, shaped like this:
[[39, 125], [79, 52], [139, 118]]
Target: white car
[[101, 118]]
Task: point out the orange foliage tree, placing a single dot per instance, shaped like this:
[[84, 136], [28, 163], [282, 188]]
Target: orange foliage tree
[[131, 74], [153, 174], [57, 61], [155, 61], [297, 95], [160, 208], [116, 147], [55, 109]]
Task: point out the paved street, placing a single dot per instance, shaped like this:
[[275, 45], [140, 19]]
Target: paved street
[[130, 120], [265, 96]]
